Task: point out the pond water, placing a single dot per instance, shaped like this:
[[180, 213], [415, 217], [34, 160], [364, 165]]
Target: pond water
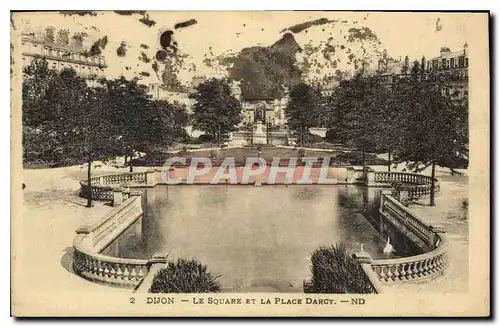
[[256, 238]]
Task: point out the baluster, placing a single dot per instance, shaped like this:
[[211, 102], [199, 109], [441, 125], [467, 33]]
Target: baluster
[[119, 273], [389, 273], [425, 268], [403, 272], [382, 275], [141, 273], [113, 274], [126, 273], [433, 265], [396, 272], [133, 274], [420, 269], [415, 270], [100, 270]]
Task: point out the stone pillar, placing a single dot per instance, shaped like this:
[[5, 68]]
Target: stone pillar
[[436, 229], [363, 257], [151, 177], [159, 258], [382, 197], [117, 197], [157, 262], [369, 176], [402, 195], [350, 178]]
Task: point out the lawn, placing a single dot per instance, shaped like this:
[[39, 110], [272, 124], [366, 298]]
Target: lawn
[[337, 157]]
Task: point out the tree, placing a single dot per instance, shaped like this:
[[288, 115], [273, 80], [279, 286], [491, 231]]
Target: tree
[[363, 102], [64, 120], [383, 131], [432, 129], [215, 111], [87, 132], [39, 134], [303, 109]]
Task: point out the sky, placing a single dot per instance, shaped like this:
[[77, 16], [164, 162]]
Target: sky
[[412, 34]]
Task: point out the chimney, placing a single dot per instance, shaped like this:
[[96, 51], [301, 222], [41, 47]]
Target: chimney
[[466, 49], [366, 66], [380, 65], [78, 39], [389, 63], [444, 50], [63, 37], [49, 33], [423, 63], [407, 61]]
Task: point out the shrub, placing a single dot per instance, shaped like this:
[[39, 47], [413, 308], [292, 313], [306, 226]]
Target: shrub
[[206, 138], [312, 139], [356, 158], [335, 271], [184, 276], [335, 136]]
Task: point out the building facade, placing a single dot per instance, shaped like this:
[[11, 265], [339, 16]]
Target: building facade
[[452, 65], [455, 65], [61, 52], [163, 92]]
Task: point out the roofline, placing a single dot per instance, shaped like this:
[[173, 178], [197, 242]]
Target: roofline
[[67, 47]]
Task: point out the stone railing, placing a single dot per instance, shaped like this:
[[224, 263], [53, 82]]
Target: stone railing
[[429, 239], [407, 186], [99, 192], [407, 193], [127, 273], [91, 239], [419, 232], [103, 187], [402, 177], [415, 268]]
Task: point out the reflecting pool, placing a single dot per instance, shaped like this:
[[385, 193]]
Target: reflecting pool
[[256, 238]]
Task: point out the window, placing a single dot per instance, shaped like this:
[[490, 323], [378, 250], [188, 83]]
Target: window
[[466, 93], [466, 62], [461, 61]]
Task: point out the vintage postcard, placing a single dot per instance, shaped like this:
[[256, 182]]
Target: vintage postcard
[[258, 163]]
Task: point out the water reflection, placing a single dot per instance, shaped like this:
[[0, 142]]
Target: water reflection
[[257, 238]]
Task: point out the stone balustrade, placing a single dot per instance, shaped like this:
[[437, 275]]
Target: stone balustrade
[[127, 273], [93, 238], [414, 228], [402, 177], [415, 268], [412, 186], [102, 187], [430, 239]]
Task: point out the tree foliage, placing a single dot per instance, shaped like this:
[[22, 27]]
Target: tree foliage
[[335, 271], [68, 119], [413, 118], [216, 111], [303, 110], [184, 276]]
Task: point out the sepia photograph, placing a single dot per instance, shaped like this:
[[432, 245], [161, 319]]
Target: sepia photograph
[[250, 163]]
